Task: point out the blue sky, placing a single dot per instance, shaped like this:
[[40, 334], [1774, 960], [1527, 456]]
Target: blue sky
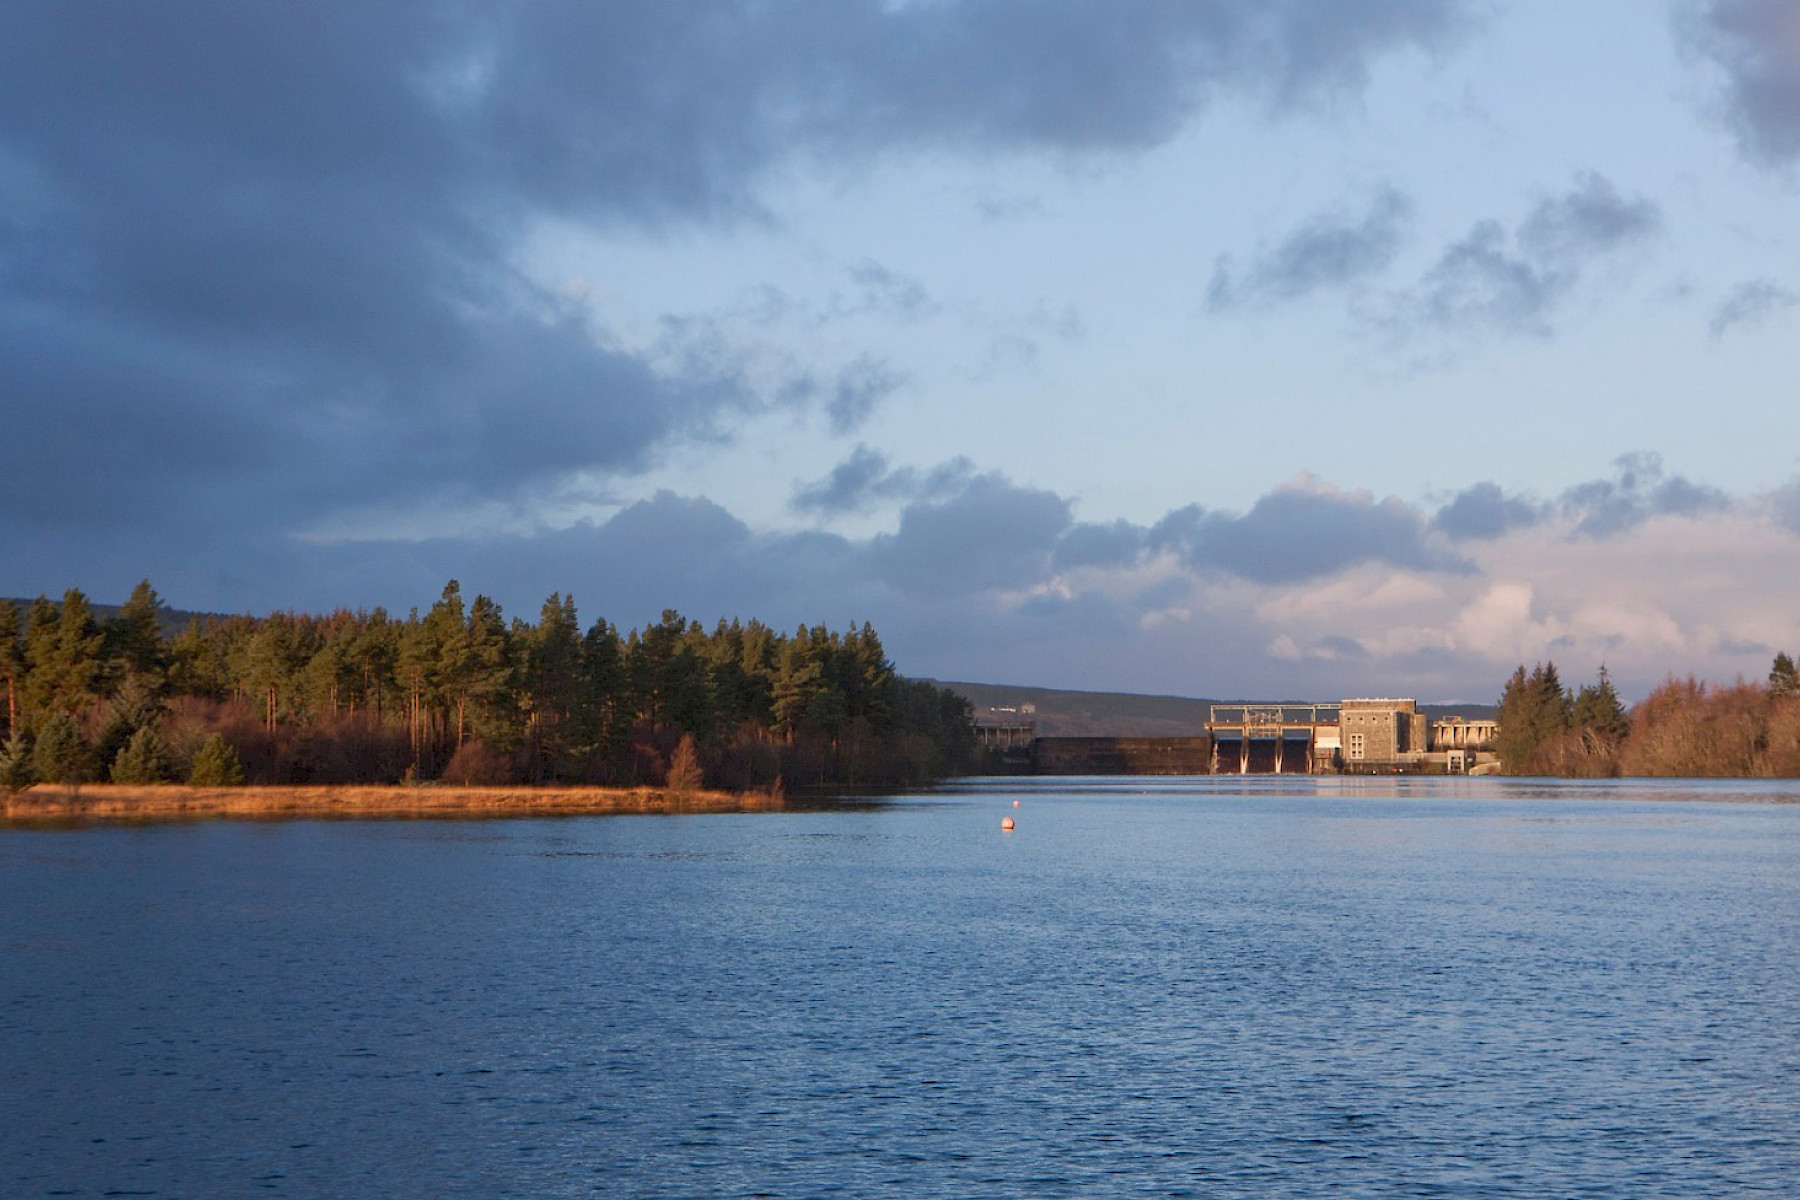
[[1242, 348]]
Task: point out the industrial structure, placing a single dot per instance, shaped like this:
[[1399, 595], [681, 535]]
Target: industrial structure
[[1366, 736]]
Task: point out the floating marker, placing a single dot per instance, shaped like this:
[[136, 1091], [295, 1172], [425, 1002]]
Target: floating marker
[[1006, 823], [1015, 804]]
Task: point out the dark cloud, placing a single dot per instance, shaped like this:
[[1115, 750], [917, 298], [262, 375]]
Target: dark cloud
[[859, 389], [1295, 534], [1328, 251], [1757, 43], [1087, 545], [1493, 281], [1483, 511], [1641, 489], [992, 535], [1751, 303], [866, 479], [259, 260]]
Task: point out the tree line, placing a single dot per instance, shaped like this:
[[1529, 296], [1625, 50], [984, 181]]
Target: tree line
[[1682, 728], [458, 693]]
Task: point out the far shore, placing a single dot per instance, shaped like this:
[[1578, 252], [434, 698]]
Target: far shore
[[163, 802]]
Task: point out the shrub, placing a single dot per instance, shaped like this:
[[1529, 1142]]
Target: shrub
[[684, 768], [473, 764]]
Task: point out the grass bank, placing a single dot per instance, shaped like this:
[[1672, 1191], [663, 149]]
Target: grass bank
[[122, 802]]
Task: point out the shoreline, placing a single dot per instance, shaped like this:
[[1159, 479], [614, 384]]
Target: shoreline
[[174, 802]]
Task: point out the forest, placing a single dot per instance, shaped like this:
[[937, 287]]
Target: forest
[[1682, 728], [458, 693]]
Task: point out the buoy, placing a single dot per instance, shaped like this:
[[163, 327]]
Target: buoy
[[1006, 823], [1015, 804]]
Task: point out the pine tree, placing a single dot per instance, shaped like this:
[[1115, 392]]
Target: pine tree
[[1784, 679], [61, 754], [12, 660], [17, 770], [604, 709], [483, 690], [134, 638], [1533, 709], [552, 686], [216, 764], [1597, 707], [144, 759], [63, 648]]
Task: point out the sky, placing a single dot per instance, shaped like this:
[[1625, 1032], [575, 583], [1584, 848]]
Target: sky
[[1234, 348]]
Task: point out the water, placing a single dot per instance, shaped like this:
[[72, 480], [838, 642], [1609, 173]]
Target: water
[[1151, 988]]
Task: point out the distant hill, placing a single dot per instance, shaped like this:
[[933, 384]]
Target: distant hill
[[1087, 714], [1061, 713]]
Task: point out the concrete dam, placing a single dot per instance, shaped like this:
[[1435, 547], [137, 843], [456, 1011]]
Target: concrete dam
[[1363, 736]]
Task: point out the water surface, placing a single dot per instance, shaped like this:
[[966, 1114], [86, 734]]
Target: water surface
[[1363, 988]]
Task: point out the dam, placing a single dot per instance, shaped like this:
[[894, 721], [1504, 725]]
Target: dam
[[1365, 736]]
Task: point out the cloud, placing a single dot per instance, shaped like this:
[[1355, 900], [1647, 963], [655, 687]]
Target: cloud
[[1303, 531], [993, 534], [865, 479], [1785, 506], [1640, 490], [1751, 303], [1118, 544], [1757, 44], [263, 261], [1484, 512], [989, 579], [889, 293], [1492, 281], [1330, 250]]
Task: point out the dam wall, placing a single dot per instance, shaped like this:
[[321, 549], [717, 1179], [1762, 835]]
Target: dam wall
[[1121, 756]]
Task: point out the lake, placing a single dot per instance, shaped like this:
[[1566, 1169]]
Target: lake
[[1152, 987]]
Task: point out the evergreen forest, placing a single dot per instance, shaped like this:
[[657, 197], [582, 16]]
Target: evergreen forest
[[458, 693]]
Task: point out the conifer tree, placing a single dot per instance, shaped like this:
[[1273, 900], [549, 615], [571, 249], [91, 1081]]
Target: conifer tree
[[1784, 678], [216, 764], [12, 660], [1533, 709], [63, 650], [134, 638], [61, 754], [552, 686], [144, 759], [17, 770], [604, 710], [1597, 707]]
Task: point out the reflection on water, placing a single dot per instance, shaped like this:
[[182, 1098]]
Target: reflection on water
[[1215, 987]]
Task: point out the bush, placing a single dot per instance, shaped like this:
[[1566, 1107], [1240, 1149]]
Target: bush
[[684, 768], [475, 764], [216, 765]]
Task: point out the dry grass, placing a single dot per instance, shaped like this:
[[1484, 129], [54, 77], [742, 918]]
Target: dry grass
[[121, 802]]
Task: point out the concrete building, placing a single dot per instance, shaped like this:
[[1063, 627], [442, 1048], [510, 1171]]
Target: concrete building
[[1358, 736], [1382, 734]]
